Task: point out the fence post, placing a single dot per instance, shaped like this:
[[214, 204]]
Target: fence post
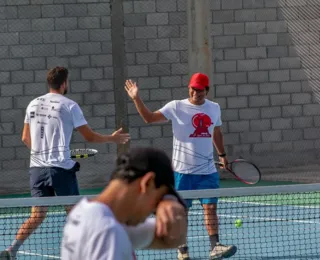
[[199, 42], [119, 68]]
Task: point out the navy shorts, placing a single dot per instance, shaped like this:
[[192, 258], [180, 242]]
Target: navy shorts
[[197, 182], [54, 181]]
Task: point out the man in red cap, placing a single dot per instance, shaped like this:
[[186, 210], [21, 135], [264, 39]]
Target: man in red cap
[[196, 125]]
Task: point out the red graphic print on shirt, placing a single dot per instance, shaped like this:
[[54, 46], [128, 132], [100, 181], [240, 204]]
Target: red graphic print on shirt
[[201, 122]]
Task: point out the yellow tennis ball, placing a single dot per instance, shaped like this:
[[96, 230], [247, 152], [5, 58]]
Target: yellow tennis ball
[[238, 223]]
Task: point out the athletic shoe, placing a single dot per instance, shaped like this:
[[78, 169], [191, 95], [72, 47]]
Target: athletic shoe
[[185, 255], [221, 251], [6, 255]]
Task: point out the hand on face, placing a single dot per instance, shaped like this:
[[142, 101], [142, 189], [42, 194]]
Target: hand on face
[[170, 219]]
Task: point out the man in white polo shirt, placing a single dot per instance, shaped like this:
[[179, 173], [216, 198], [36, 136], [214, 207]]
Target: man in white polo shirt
[[113, 224], [196, 125], [48, 127]]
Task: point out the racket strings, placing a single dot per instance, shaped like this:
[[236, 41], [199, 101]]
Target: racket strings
[[246, 171]]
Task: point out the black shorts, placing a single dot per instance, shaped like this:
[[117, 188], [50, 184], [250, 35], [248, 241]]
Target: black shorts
[[51, 181]]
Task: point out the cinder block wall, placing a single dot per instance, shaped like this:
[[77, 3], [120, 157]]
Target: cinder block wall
[[36, 35], [269, 112], [263, 55]]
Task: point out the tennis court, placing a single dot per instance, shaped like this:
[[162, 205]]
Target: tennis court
[[279, 222]]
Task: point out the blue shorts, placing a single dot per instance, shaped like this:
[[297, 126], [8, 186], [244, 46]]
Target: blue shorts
[[197, 182], [51, 181]]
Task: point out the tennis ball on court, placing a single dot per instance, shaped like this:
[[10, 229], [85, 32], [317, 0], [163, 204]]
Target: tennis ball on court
[[238, 223]]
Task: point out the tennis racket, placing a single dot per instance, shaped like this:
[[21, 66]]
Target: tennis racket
[[244, 171], [83, 153]]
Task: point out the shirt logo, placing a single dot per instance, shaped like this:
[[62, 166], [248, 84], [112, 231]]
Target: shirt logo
[[57, 109], [201, 122]]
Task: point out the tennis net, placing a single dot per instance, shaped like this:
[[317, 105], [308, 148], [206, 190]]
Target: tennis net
[[279, 222]]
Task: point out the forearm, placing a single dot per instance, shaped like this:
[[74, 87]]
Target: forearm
[[218, 142], [99, 138], [144, 112], [177, 230], [27, 143], [173, 242]]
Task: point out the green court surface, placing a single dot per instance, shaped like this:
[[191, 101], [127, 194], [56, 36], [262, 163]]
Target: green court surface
[[223, 184]]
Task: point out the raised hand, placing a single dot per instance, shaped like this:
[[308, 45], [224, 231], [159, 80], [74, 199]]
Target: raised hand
[[119, 137], [131, 88]]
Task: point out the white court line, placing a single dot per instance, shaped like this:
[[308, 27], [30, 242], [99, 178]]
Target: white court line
[[270, 204], [36, 254], [259, 218], [8, 215], [15, 215], [200, 212]]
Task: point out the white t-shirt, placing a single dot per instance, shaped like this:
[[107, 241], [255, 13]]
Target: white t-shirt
[[92, 232], [52, 118], [192, 127]]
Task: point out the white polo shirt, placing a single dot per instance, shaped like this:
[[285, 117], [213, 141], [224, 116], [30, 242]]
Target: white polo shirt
[[192, 127], [52, 119], [92, 232]]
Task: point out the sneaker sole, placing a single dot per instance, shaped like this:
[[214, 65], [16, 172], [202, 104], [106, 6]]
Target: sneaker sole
[[184, 258], [5, 255], [230, 252], [215, 258]]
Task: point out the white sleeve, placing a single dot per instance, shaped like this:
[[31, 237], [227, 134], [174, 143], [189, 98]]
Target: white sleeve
[[218, 122], [77, 116], [26, 118], [107, 245], [168, 110], [141, 236]]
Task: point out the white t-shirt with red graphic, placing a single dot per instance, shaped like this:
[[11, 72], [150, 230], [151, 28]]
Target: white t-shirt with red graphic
[[192, 127]]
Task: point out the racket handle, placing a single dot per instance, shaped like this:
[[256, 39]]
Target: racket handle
[[219, 163]]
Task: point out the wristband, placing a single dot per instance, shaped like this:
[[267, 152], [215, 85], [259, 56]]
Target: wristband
[[223, 155]]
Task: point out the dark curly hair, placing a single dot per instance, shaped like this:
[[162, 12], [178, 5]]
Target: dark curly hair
[[56, 77]]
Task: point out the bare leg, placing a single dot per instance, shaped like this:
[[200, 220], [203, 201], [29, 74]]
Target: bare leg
[[211, 219], [37, 216], [183, 249], [68, 208], [218, 250]]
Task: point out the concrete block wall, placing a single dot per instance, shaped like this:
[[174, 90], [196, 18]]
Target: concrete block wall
[[157, 58], [264, 74], [262, 60], [36, 35], [260, 77]]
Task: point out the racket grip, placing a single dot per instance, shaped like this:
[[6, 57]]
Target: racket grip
[[219, 163]]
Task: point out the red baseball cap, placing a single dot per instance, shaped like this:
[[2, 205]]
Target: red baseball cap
[[199, 81]]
